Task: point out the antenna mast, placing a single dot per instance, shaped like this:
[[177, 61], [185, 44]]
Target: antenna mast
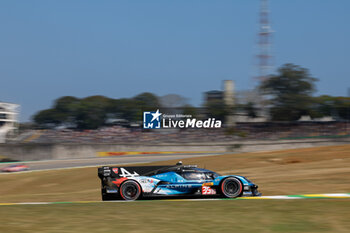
[[264, 42]]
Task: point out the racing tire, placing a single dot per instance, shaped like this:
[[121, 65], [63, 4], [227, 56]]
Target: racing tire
[[231, 187], [130, 190]]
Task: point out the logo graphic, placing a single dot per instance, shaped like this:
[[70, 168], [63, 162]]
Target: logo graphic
[[151, 120], [157, 120]]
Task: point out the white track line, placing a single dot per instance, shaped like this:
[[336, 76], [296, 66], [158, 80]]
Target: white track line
[[65, 168], [277, 197]]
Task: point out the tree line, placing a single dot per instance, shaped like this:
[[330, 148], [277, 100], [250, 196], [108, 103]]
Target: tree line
[[94, 111], [288, 95], [290, 92]]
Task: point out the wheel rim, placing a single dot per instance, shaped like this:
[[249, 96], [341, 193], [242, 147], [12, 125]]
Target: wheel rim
[[231, 188], [130, 191]]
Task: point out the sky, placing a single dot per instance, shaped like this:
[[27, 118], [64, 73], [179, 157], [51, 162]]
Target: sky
[[119, 49]]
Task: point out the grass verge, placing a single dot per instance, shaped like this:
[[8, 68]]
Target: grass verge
[[156, 216]]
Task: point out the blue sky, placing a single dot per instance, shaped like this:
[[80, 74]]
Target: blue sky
[[50, 49]]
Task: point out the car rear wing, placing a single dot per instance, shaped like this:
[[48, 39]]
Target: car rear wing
[[119, 172]]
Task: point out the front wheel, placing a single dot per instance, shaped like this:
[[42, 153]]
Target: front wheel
[[231, 187], [130, 190]]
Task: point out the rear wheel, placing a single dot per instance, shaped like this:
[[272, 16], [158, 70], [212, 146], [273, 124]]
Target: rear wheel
[[231, 187], [130, 190]]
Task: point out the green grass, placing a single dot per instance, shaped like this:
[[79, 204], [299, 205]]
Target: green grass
[[158, 216]]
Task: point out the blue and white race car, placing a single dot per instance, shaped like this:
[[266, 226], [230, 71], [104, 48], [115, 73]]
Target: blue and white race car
[[132, 183]]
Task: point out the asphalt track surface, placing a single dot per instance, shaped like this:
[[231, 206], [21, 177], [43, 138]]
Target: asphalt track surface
[[101, 161]]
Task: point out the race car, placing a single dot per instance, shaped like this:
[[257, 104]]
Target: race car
[[132, 183], [15, 168]]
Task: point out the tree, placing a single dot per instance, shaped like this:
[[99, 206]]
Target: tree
[[67, 104], [128, 109], [68, 107], [250, 109], [290, 91], [92, 112], [343, 107], [147, 101], [48, 118], [172, 101], [217, 109], [190, 110], [337, 107], [144, 102]]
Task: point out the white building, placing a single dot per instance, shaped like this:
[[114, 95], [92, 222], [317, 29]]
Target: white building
[[8, 119]]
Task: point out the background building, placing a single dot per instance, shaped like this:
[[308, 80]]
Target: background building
[[226, 98], [8, 120]]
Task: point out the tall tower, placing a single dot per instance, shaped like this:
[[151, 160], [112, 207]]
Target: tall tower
[[264, 42], [264, 57], [229, 100], [229, 96]]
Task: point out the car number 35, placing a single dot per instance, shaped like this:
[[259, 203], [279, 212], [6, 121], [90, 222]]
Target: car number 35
[[206, 190]]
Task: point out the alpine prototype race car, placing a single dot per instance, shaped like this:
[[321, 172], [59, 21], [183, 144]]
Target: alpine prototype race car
[[132, 183]]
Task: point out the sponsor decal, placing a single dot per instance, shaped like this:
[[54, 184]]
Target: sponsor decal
[[115, 170], [112, 191], [157, 120], [174, 186], [208, 184], [144, 181]]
